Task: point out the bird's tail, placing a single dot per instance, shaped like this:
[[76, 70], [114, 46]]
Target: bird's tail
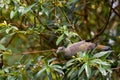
[[102, 47]]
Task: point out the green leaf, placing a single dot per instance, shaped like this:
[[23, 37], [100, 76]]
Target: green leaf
[[28, 9], [49, 61], [45, 10], [69, 63], [81, 69], [2, 47], [98, 61], [60, 39], [48, 72], [58, 70], [39, 58], [73, 34], [8, 30], [103, 63], [100, 54], [103, 71], [6, 38], [39, 73], [11, 28], [71, 72], [2, 29], [56, 66], [1, 55], [74, 75], [87, 70], [11, 77], [12, 14]]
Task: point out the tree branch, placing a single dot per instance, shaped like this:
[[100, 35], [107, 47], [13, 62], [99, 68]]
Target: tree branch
[[52, 50], [104, 28]]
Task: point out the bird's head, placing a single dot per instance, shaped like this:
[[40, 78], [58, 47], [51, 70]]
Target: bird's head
[[60, 50]]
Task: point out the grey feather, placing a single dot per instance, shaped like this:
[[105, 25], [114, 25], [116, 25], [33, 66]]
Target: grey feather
[[72, 50]]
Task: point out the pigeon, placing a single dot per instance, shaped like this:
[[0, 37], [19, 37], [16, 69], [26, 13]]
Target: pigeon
[[74, 48]]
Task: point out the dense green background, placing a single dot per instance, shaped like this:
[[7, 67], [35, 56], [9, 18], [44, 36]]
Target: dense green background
[[31, 31]]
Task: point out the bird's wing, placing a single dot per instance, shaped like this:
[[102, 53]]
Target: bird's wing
[[86, 46]]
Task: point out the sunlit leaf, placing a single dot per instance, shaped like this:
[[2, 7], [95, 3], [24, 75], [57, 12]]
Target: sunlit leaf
[[39, 73], [39, 58], [28, 9], [58, 70], [98, 61], [11, 77], [2, 47], [74, 75], [81, 69], [69, 63], [2, 29], [60, 39], [103, 71], [87, 70], [11, 28], [71, 72], [1, 55], [100, 54], [51, 60], [6, 52], [12, 14], [49, 73], [56, 66], [45, 10]]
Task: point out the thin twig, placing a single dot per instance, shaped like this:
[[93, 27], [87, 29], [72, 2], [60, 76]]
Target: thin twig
[[52, 50], [55, 9], [34, 19], [67, 18], [115, 11], [104, 28], [116, 68], [86, 17]]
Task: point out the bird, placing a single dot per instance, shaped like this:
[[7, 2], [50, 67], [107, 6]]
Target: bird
[[81, 46]]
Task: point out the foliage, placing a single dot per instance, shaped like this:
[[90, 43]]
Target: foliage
[[31, 29], [88, 66]]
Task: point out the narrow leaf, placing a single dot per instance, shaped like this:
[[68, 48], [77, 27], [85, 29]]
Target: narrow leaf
[[69, 63], [28, 9], [1, 55], [103, 71], [74, 75], [39, 73], [51, 60], [81, 69], [12, 14], [100, 54], [71, 72], [2, 47], [56, 66], [48, 73], [8, 30], [58, 70], [98, 61], [60, 39], [87, 70], [45, 10]]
